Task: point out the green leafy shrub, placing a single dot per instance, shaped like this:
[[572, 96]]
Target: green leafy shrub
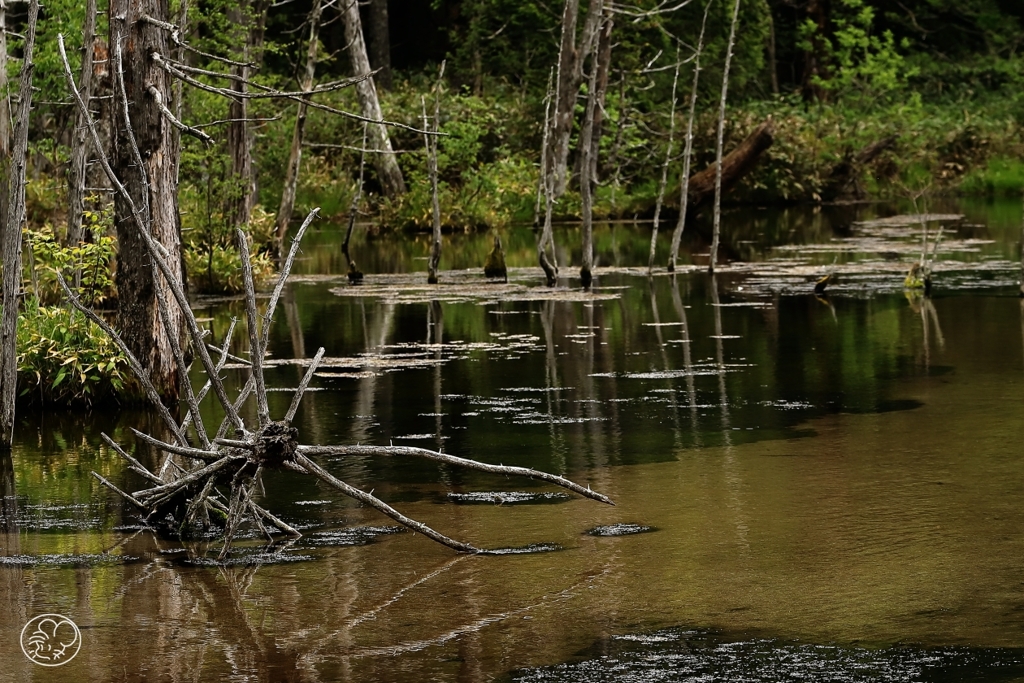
[[217, 269], [93, 259], [65, 359]]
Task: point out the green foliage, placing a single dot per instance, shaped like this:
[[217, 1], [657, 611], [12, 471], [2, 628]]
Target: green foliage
[[1000, 176], [486, 174], [217, 269], [93, 259], [65, 359], [862, 64]]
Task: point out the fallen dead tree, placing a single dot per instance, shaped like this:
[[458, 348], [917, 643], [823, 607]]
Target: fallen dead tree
[[216, 487], [736, 164]]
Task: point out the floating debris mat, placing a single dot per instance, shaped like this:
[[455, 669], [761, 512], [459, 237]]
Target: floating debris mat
[[469, 286]]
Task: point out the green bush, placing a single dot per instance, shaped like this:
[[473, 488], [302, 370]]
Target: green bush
[[217, 269], [65, 359], [92, 259]]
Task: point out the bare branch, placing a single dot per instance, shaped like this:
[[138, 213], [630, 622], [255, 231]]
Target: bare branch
[[188, 130], [255, 347], [302, 386], [458, 462], [162, 63], [188, 451], [381, 506], [176, 39], [283, 277]]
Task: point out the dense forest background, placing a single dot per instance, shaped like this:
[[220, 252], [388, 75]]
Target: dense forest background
[[942, 76]]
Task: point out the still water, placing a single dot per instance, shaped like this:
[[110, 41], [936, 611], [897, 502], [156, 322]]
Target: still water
[[806, 489]]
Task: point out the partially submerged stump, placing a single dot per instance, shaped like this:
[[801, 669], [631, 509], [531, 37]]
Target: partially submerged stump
[[494, 266]]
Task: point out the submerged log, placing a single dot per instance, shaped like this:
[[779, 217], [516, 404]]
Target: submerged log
[[737, 164]]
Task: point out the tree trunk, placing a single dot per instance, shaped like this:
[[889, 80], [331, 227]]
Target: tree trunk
[[13, 205], [153, 188], [716, 222], [684, 190], [291, 178], [604, 61], [81, 144], [594, 94], [570, 76], [388, 172], [251, 17], [380, 43]]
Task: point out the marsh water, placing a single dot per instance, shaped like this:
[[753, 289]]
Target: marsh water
[[806, 488]]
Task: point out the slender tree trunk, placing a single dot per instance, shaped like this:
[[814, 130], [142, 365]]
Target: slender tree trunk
[[153, 188], [291, 178], [251, 17], [380, 42], [431, 142], [569, 78], [604, 61], [717, 222], [388, 172], [548, 265], [684, 190], [773, 67], [586, 167], [81, 144], [664, 170], [13, 203]]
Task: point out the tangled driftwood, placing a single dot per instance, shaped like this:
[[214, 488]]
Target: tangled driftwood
[[184, 496]]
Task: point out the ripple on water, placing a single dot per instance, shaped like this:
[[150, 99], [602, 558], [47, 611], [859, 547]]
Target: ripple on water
[[675, 655], [506, 497], [360, 535], [525, 550], [619, 530]]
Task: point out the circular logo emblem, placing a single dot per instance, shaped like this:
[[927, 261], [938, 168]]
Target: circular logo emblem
[[51, 640]]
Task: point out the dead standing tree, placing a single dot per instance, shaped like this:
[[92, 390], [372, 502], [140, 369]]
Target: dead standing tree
[[145, 153], [388, 172], [430, 139], [594, 95], [291, 177], [12, 213], [717, 220]]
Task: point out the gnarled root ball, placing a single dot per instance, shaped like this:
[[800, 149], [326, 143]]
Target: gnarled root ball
[[275, 444]]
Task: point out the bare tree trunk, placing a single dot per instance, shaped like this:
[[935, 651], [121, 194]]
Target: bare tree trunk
[[604, 61], [569, 78], [142, 132], [251, 18], [664, 170], [380, 43], [81, 144], [431, 142], [13, 205], [717, 222], [385, 163], [684, 191], [586, 168], [291, 178], [773, 66]]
